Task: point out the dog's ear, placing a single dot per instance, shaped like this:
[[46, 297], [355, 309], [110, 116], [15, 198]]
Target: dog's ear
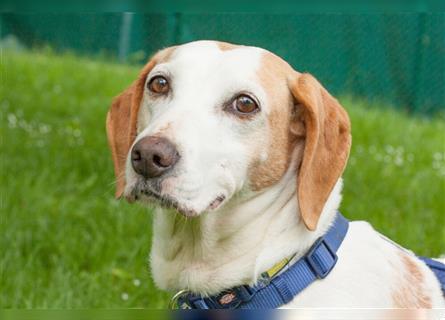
[[327, 144], [121, 124]]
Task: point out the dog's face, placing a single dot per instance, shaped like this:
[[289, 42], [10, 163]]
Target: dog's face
[[207, 120], [209, 110]]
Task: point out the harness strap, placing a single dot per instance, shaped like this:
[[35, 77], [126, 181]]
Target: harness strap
[[316, 264]]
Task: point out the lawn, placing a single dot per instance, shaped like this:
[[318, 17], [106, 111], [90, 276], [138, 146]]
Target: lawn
[[65, 241]]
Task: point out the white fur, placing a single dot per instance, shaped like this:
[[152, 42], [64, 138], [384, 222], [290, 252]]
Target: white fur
[[203, 79], [251, 231]]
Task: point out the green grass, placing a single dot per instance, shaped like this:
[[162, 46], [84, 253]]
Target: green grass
[[66, 243]]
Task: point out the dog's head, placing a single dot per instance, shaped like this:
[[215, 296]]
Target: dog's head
[[207, 120]]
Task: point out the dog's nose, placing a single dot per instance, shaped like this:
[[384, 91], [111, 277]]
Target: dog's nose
[[152, 156]]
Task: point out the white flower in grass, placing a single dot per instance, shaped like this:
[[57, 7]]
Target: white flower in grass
[[44, 128], [389, 149], [137, 282], [77, 133], [26, 126], [437, 156], [398, 161], [124, 296], [12, 120]]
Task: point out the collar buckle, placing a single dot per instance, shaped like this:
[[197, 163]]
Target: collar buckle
[[176, 302], [321, 258]]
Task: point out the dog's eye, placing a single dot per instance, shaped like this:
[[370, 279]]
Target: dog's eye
[[159, 85], [245, 104]]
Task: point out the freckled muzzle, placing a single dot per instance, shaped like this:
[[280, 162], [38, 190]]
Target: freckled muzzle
[[153, 156]]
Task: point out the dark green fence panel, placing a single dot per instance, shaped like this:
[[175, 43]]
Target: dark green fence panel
[[397, 58]]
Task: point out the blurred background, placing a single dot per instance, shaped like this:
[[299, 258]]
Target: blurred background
[[396, 57], [67, 243]]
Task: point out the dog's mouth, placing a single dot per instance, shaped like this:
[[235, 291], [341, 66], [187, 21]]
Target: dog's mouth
[[169, 202], [145, 192], [215, 204]]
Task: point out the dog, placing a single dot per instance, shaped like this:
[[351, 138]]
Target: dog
[[242, 157]]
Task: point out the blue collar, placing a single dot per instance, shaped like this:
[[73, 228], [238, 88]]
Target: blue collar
[[272, 293]]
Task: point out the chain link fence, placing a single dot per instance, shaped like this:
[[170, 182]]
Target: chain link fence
[[396, 59]]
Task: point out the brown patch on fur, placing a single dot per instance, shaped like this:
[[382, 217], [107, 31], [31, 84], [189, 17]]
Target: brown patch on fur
[[302, 109], [272, 76], [327, 145], [225, 46], [411, 293], [122, 118]]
